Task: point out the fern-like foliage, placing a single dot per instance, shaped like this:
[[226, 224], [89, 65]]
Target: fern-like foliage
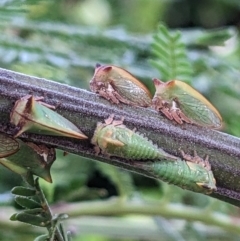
[[170, 55], [37, 212]]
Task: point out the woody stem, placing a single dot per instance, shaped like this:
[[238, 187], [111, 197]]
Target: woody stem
[[85, 109]]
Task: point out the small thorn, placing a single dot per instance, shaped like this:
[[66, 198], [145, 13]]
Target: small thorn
[[98, 65], [156, 81]]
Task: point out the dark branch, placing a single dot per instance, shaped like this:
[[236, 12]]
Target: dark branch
[[85, 109]]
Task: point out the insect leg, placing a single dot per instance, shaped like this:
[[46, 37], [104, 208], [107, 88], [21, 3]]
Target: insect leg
[[47, 105], [110, 120], [167, 113], [178, 115], [204, 163], [183, 117], [38, 99], [186, 156], [175, 113], [107, 94], [197, 159], [207, 164], [157, 103], [113, 95]]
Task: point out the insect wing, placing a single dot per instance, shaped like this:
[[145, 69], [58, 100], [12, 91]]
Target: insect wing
[[8, 145], [132, 92], [51, 123], [193, 107], [118, 85], [29, 115], [129, 87], [13, 167], [197, 111], [29, 159]]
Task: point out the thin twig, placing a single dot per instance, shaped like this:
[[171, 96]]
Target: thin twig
[[115, 207], [54, 231]]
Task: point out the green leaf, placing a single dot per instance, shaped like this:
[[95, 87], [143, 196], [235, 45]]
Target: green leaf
[[23, 191], [35, 211], [170, 55], [36, 220], [214, 37], [13, 217], [27, 202]]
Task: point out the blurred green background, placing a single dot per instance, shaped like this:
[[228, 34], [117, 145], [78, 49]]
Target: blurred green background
[[62, 40]]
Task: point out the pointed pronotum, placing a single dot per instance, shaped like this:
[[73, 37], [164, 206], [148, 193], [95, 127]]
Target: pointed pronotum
[[192, 173], [180, 102], [8, 145], [31, 158], [118, 85], [114, 139], [30, 115]]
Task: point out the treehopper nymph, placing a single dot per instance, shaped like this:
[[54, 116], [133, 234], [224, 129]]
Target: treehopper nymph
[[8, 146], [118, 85], [31, 158], [29, 114], [114, 139], [180, 102], [192, 173]]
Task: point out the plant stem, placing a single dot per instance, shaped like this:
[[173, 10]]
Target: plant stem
[[53, 231], [85, 109], [114, 206]]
